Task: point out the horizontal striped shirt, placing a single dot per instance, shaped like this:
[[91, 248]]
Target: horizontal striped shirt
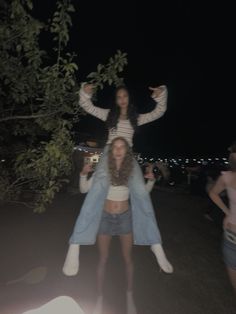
[[124, 127]]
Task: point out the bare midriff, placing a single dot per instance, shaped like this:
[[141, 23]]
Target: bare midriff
[[116, 207]]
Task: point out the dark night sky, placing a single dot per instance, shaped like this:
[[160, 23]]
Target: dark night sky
[[186, 45]]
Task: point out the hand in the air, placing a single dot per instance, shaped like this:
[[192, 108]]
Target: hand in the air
[[156, 91], [88, 88], [86, 169]]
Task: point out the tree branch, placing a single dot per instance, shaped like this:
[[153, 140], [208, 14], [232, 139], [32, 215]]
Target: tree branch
[[34, 116]]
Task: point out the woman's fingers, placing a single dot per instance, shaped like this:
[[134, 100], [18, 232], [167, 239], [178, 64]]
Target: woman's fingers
[[88, 88], [156, 91]]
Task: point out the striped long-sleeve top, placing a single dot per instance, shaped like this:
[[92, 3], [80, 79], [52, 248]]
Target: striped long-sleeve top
[[124, 127]]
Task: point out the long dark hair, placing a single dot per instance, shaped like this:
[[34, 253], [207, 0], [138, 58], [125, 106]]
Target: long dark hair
[[114, 113], [120, 177]]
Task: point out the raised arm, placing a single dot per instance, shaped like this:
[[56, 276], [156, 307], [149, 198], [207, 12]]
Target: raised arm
[[85, 102], [160, 96], [84, 182]]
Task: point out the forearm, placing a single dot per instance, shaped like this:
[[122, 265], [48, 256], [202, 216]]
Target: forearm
[[86, 103], [218, 201], [159, 110], [84, 183]]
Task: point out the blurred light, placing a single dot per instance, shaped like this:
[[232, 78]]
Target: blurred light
[[3, 160]]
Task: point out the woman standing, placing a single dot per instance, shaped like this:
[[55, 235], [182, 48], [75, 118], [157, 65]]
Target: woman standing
[[227, 181], [122, 120], [116, 217]]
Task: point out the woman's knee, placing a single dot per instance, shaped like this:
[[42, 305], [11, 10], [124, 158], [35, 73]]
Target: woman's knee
[[103, 259], [128, 259]]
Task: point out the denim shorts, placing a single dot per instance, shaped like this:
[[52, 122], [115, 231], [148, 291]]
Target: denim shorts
[[229, 249], [116, 224]]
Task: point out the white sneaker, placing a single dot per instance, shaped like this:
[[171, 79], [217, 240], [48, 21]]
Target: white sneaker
[[71, 265], [161, 258]]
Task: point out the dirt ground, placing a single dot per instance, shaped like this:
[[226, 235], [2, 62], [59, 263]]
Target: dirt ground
[[38, 243]]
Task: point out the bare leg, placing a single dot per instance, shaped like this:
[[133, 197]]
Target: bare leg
[[232, 277], [104, 242], [126, 245]]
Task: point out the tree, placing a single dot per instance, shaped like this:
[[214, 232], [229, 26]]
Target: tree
[[39, 102]]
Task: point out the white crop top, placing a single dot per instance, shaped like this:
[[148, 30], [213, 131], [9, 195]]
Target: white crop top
[[115, 192], [118, 193]]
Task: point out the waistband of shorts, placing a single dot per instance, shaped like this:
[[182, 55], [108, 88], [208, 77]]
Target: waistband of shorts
[[230, 236], [116, 215]]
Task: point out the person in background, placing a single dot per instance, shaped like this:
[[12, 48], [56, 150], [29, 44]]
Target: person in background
[[227, 182]]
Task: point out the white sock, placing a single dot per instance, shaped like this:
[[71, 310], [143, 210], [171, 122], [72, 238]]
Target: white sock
[[131, 308], [99, 305], [71, 265], [161, 258]]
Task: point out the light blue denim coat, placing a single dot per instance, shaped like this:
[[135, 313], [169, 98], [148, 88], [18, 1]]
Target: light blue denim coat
[[145, 228]]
